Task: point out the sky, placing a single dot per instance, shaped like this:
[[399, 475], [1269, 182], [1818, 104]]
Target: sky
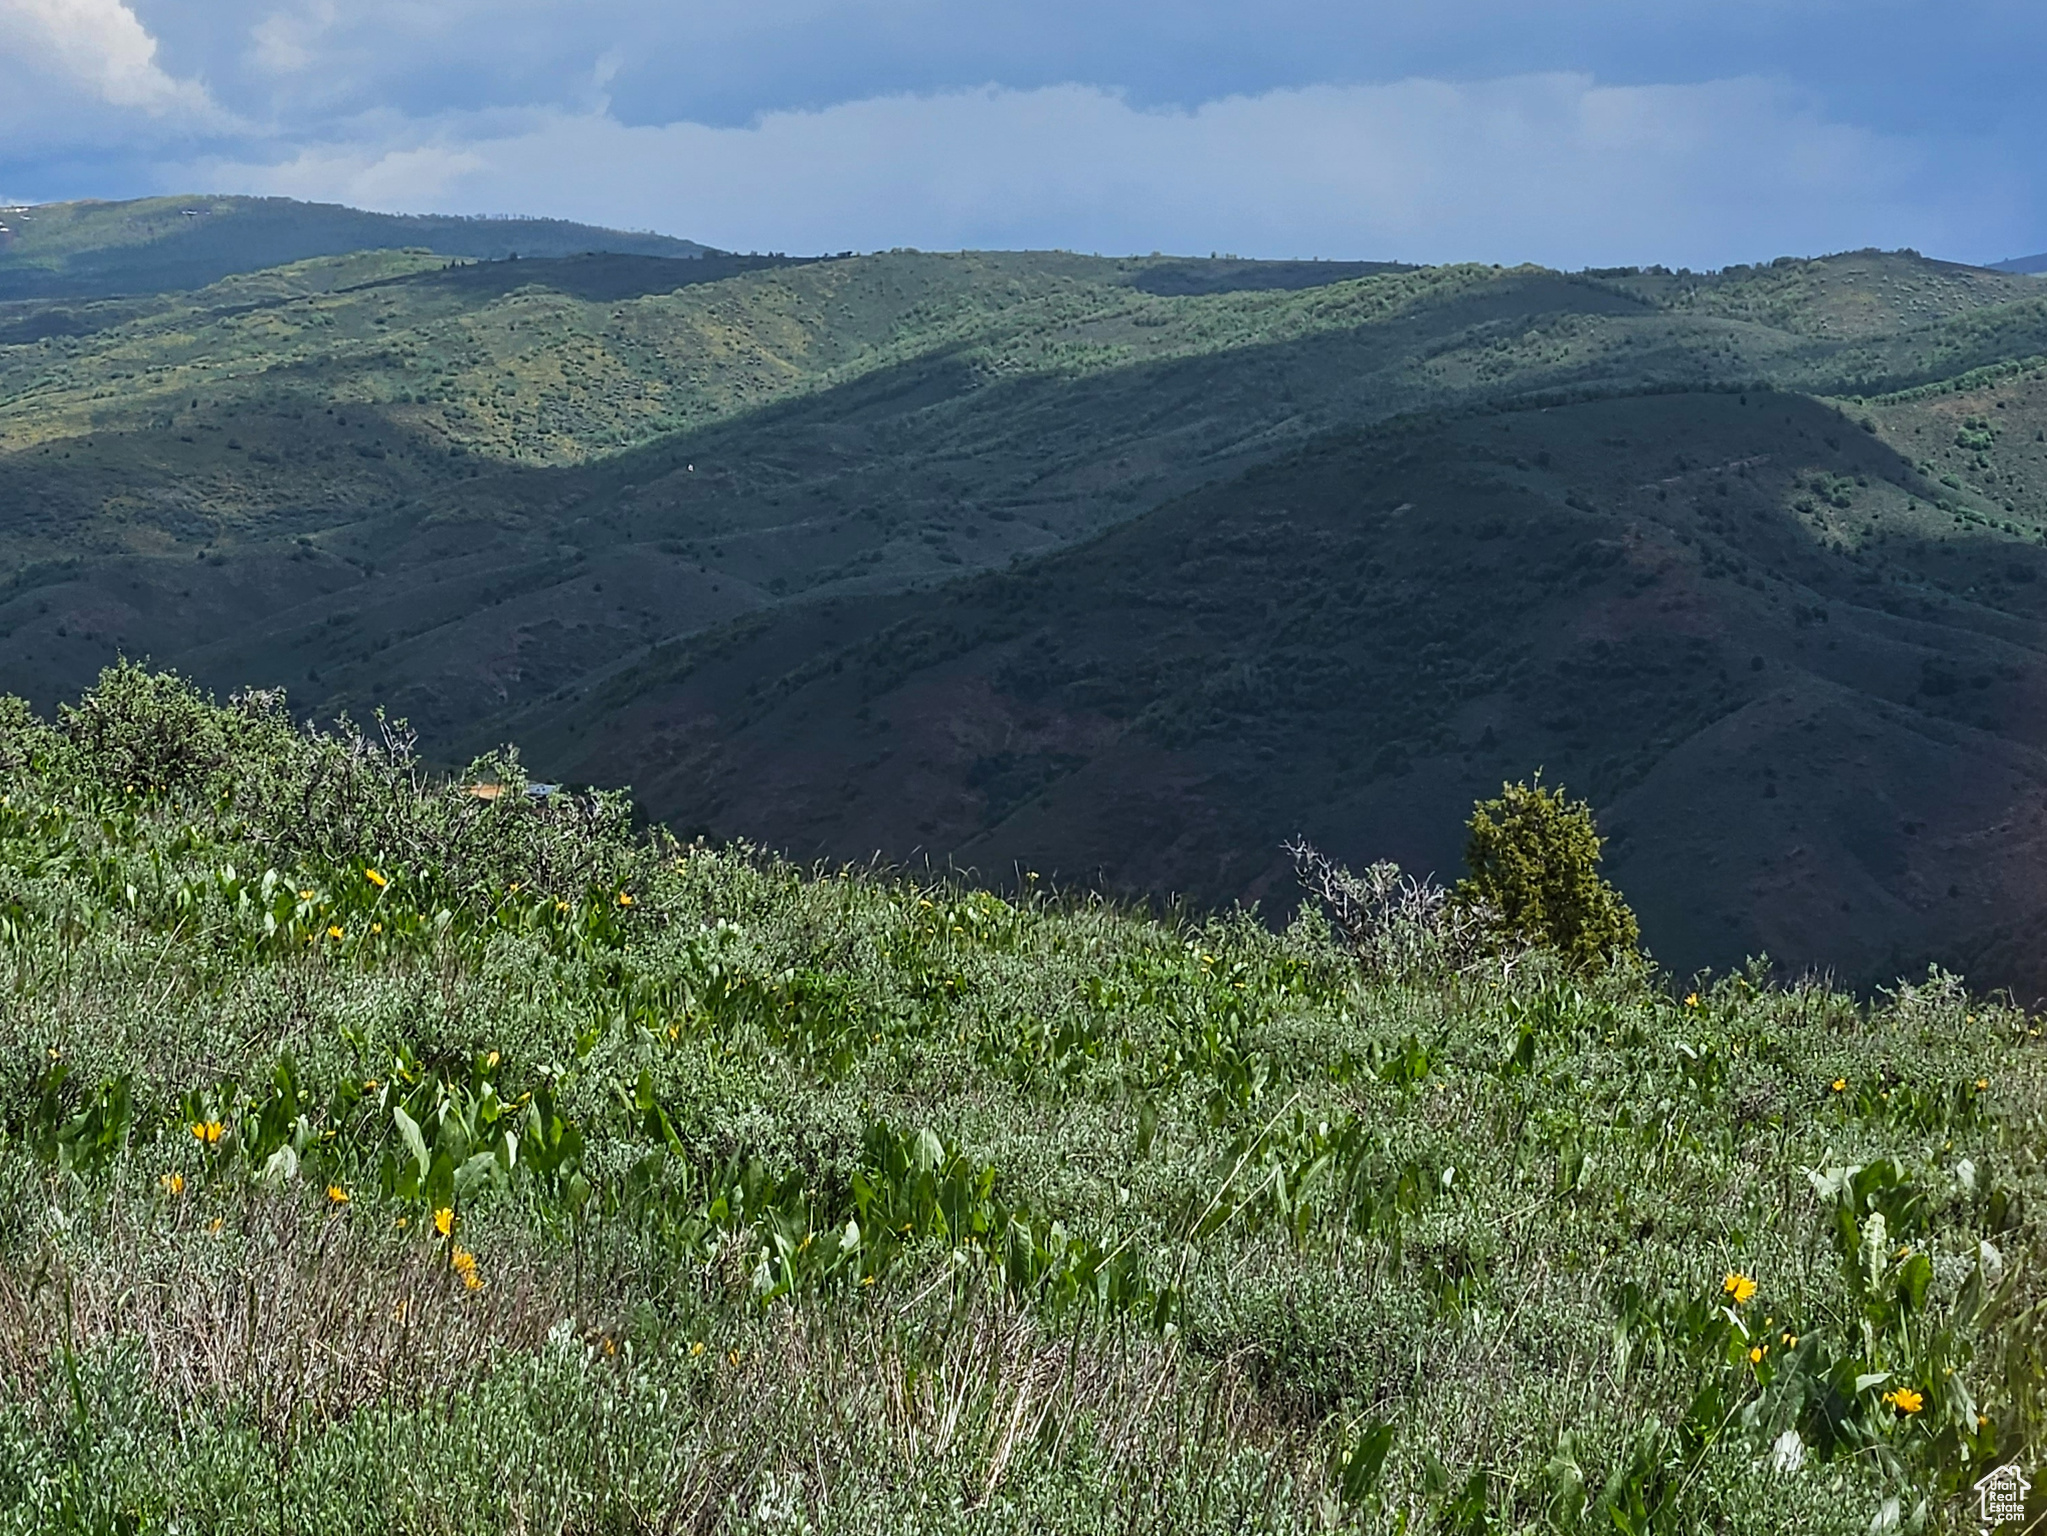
[[1591, 133]]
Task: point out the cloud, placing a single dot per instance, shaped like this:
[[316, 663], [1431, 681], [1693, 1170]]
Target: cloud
[[101, 48], [1554, 167]]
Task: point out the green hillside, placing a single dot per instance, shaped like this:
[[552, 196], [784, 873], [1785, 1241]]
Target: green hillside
[[378, 1155], [1115, 569], [162, 244]]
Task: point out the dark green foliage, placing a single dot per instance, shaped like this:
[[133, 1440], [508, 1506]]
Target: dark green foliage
[[1534, 857]]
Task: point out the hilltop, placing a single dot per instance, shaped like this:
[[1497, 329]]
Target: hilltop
[[162, 244], [374, 1155], [1120, 570]]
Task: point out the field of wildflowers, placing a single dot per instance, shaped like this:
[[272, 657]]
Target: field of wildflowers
[[375, 1154]]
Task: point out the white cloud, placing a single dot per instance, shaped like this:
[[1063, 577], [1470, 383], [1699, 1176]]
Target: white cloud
[[101, 48], [1548, 167]]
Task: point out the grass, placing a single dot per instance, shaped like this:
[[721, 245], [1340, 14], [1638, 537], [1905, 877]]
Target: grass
[[374, 1153]]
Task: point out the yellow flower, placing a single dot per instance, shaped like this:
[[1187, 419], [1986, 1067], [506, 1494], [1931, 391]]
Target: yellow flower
[[1905, 1400], [462, 1260], [173, 1183], [444, 1221], [209, 1131], [306, 895], [1739, 1286], [376, 927], [375, 879], [213, 1226], [624, 899], [336, 1195], [697, 1348], [1755, 1355], [1791, 1341], [560, 905], [1840, 1085], [1691, 999], [333, 931], [609, 1345], [1982, 1083]]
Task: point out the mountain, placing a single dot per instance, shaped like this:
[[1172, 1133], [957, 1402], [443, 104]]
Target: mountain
[[160, 244], [2022, 264], [1119, 570]]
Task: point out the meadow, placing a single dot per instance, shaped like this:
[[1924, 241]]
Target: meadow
[[379, 1152]]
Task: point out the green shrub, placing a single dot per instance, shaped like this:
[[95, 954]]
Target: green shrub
[[1534, 860]]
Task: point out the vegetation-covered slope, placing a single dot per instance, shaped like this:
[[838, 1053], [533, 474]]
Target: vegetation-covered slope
[[379, 1155], [162, 244], [544, 499]]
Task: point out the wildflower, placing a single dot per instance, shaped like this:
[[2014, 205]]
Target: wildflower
[[1755, 1355], [1840, 1085], [609, 1346], [306, 895], [376, 927], [624, 899], [336, 1195], [375, 879], [697, 1348], [1691, 999], [444, 1221], [463, 1262], [173, 1183], [867, 1279], [1905, 1400], [209, 1131], [735, 1357], [1739, 1286], [214, 1225], [1982, 1083], [333, 931], [560, 905]]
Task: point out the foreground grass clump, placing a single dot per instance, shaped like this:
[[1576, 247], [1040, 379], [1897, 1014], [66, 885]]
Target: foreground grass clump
[[373, 1152]]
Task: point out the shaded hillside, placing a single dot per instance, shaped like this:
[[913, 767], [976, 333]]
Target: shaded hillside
[[1234, 549], [159, 244], [1807, 698]]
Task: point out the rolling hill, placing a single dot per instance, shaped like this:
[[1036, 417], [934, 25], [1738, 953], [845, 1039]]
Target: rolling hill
[[160, 244], [1117, 570]]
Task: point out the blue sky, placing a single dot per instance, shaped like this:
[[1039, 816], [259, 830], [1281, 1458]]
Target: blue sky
[[1590, 133]]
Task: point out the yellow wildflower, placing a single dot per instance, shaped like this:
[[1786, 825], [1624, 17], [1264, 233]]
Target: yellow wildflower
[[610, 1345], [1755, 1355], [209, 1131], [333, 931], [697, 1348], [307, 895], [1840, 1085], [444, 1221], [560, 905], [214, 1225], [375, 879], [1905, 1400], [376, 927], [173, 1183], [336, 1195], [1739, 1286], [1691, 999], [624, 899], [1982, 1083]]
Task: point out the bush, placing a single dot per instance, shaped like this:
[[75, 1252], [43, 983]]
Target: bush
[[1534, 860]]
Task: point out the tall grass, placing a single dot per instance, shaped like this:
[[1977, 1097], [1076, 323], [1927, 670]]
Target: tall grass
[[373, 1153]]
